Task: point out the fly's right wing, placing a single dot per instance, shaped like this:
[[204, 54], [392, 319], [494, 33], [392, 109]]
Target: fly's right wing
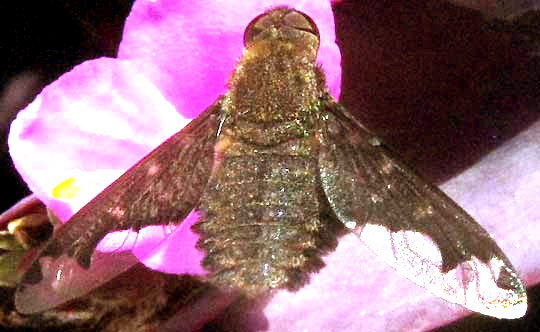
[[412, 225]]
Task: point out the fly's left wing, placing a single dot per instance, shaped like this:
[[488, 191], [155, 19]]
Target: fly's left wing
[[162, 188], [412, 225]]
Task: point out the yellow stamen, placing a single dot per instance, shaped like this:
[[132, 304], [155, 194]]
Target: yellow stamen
[[66, 189]]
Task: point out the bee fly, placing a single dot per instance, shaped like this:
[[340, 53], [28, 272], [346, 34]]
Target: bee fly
[[274, 167]]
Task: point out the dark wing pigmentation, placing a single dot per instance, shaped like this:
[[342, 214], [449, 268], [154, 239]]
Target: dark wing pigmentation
[[160, 189], [412, 225]]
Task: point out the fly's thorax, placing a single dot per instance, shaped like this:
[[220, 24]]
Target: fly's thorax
[[273, 94]]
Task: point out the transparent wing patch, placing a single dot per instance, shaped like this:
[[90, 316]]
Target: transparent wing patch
[[473, 283], [62, 279]]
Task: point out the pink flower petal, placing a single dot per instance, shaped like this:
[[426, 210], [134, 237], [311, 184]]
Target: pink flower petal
[[167, 249], [85, 129], [177, 254], [188, 49]]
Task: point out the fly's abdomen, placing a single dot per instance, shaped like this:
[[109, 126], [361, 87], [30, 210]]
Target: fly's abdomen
[[261, 220]]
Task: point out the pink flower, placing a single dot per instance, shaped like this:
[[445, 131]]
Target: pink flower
[[94, 122], [89, 126]]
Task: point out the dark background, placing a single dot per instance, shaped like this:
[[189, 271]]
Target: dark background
[[437, 82]]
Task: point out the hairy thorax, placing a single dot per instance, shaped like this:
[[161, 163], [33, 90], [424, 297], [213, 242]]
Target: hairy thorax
[[272, 95]]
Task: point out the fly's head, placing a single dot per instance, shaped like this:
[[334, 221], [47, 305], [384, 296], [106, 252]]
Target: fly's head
[[284, 26]]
